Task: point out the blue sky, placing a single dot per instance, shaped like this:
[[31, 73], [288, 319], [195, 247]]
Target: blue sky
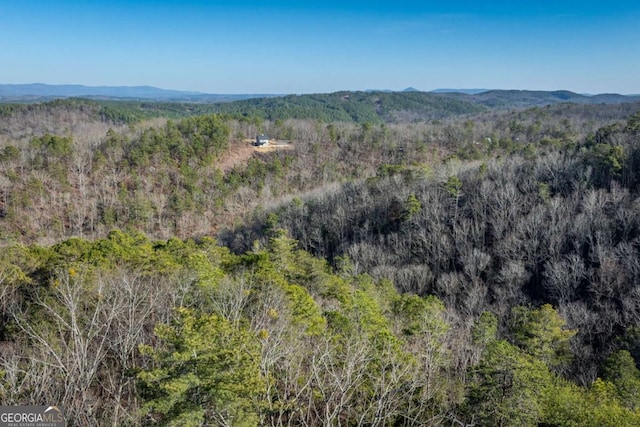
[[311, 46]]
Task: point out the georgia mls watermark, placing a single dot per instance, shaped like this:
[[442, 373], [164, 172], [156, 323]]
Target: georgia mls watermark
[[32, 416]]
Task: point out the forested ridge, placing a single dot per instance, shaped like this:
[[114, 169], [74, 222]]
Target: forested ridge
[[480, 268]]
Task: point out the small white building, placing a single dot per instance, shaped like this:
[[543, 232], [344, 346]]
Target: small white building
[[261, 139]]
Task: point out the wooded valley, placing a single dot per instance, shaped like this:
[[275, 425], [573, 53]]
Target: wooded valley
[[413, 260]]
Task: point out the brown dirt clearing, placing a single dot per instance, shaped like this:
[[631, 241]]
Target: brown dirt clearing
[[240, 151]]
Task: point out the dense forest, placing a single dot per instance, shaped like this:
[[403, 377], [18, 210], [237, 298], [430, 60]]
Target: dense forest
[[437, 262]]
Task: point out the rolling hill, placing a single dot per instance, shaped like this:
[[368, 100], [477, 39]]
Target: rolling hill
[[508, 99], [409, 105], [405, 106]]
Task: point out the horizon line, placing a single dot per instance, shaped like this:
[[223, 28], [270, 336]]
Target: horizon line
[[407, 89]]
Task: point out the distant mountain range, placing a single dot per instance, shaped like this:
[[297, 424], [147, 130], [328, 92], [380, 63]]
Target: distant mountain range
[[375, 106], [412, 89], [40, 91], [387, 106], [467, 91], [531, 98], [485, 97]]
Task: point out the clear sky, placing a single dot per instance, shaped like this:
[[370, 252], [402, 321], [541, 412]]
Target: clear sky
[[312, 46]]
